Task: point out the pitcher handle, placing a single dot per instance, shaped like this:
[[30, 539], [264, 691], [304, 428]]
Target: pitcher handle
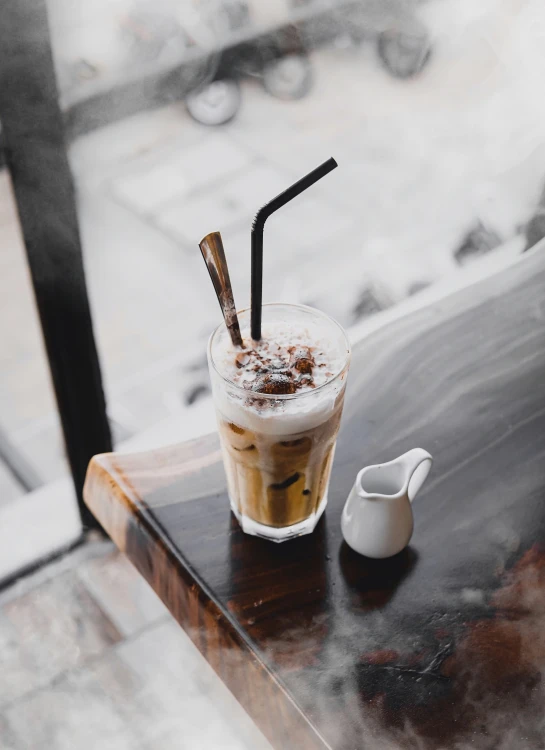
[[418, 462]]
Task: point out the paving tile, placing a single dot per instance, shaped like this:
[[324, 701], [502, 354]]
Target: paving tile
[[44, 449], [38, 524], [145, 191], [144, 288], [214, 159], [18, 670], [184, 424], [153, 690], [257, 185], [159, 703], [201, 732], [10, 489], [25, 387], [72, 713], [121, 592], [212, 711], [131, 142], [190, 219], [164, 644], [95, 545], [169, 740], [157, 394], [233, 203], [8, 739], [272, 129], [180, 172], [60, 625], [309, 222], [162, 662], [150, 706]]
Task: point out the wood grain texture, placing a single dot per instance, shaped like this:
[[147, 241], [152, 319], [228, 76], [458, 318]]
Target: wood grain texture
[[442, 646]]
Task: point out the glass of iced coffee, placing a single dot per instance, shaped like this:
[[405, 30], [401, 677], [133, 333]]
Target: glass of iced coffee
[[278, 403]]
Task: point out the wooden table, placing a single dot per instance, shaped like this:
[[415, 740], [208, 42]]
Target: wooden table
[[443, 645]]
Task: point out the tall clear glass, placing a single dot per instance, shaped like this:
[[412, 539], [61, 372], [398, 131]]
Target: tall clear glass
[[278, 449]]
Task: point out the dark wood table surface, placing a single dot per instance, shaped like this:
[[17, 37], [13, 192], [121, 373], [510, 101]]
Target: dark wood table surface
[[442, 646]]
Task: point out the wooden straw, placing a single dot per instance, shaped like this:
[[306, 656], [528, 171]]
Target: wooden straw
[[214, 257]]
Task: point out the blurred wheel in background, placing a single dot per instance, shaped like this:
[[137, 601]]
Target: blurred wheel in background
[[289, 77], [215, 103], [404, 54]]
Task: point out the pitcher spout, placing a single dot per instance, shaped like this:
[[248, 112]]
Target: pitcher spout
[[402, 476]]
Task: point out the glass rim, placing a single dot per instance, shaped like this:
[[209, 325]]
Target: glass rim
[[283, 396]]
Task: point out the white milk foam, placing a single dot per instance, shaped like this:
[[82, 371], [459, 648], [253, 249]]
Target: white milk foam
[[305, 409]]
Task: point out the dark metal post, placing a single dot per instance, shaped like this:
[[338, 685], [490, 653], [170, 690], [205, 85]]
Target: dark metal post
[[36, 158]]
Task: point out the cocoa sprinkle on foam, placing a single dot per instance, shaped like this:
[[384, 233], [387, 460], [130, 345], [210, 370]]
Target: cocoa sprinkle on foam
[[282, 362], [291, 358]]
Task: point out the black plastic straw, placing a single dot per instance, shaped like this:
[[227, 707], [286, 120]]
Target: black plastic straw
[[257, 235]]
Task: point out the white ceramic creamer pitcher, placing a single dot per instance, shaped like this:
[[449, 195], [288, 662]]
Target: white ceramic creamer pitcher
[[377, 520]]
